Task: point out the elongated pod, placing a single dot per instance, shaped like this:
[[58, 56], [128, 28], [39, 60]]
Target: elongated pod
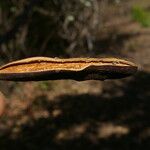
[[44, 68]]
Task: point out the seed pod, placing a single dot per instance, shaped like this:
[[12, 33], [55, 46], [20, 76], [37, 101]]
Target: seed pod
[[44, 68]]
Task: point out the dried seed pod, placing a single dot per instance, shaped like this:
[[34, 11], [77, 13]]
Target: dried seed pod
[[44, 68]]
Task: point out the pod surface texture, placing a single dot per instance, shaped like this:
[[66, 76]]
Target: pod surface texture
[[45, 68]]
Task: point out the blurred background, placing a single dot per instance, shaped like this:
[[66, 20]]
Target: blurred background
[[109, 115]]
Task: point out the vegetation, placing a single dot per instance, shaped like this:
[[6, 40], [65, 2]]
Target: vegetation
[[141, 15], [36, 27], [52, 28]]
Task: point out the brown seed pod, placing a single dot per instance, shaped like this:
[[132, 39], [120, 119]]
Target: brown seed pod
[[44, 68]]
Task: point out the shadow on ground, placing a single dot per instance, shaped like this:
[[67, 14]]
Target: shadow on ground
[[113, 44], [91, 121]]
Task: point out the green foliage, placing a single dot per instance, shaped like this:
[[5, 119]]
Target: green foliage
[[141, 15], [44, 85]]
